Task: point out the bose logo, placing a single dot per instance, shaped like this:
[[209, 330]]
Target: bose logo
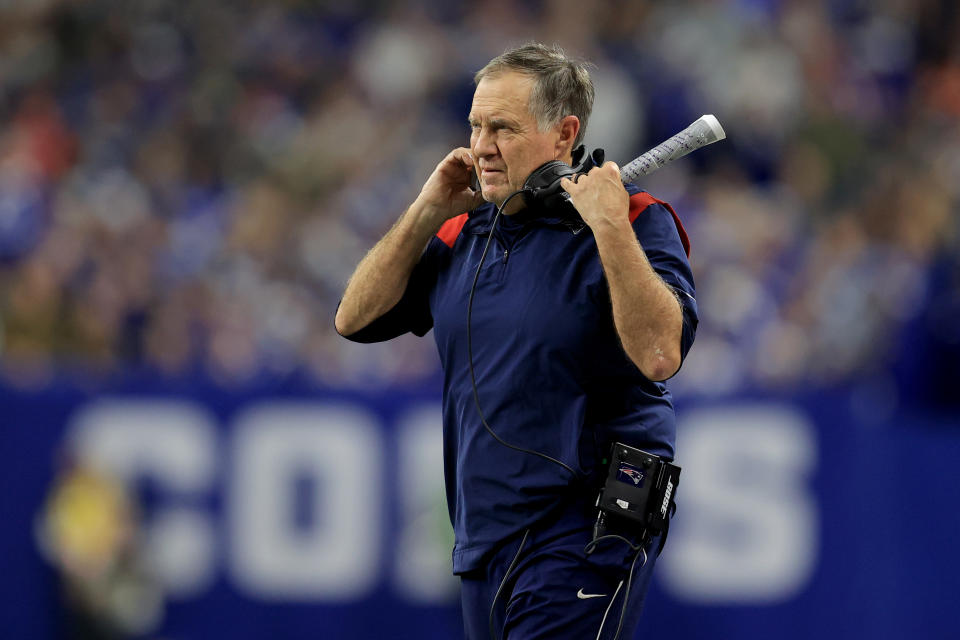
[[666, 498]]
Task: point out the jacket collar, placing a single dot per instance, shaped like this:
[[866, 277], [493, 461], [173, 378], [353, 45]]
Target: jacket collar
[[478, 221]]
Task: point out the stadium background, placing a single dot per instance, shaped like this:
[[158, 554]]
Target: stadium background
[[188, 449]]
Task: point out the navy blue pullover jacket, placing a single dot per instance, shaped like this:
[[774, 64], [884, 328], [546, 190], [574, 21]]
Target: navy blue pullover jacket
[[551, 372]]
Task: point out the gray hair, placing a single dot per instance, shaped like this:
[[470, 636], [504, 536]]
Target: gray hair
[[562, 85]]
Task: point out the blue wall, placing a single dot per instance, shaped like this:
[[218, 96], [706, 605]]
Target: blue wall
[[284, 512]]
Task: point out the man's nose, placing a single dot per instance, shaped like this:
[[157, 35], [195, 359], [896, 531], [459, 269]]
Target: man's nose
[[485, 144]]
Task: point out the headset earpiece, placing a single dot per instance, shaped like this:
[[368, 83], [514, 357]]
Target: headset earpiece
[[542, 188]]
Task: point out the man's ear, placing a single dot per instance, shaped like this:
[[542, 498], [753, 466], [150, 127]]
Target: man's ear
[[568, 127]]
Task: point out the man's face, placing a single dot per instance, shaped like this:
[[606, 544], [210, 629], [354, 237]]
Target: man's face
[[506, 143]]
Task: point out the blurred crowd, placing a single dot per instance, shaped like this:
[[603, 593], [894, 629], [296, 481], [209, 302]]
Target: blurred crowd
[[185, 186]]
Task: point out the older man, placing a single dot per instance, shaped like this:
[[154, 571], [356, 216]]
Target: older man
[[575, 323]]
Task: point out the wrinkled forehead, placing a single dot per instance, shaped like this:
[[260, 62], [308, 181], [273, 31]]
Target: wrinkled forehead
[[503, 94]]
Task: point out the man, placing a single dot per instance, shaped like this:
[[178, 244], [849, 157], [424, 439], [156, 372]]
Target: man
[[573, 326]]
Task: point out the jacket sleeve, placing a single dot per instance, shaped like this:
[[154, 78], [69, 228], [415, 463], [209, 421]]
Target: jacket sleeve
[[412, 312], [663, 239]]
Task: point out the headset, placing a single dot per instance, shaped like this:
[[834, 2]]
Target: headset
[[542, 190]]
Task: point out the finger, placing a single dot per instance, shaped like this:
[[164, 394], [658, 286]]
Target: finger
[[567, 184], [612, 166], [464, 156]]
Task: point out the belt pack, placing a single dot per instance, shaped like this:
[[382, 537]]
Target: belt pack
[[639, 490]]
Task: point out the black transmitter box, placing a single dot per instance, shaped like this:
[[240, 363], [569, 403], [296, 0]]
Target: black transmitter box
[[640, 487]]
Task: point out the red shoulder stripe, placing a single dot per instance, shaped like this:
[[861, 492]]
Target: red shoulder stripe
[[639, 203], [451, 229]]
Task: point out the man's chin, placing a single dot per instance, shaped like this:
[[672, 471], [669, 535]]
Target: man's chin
[[496, 195]]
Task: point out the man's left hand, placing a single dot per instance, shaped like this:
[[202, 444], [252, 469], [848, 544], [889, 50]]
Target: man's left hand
[[600, 197]]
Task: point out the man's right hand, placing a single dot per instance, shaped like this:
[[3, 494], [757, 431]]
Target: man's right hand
[[381, 277], [447, 192]]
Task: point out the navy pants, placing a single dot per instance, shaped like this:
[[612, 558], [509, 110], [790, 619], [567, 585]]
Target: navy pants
[[555, 590]]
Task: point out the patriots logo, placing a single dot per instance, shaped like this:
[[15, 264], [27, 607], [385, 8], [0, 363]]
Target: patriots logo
[[630, 475]]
